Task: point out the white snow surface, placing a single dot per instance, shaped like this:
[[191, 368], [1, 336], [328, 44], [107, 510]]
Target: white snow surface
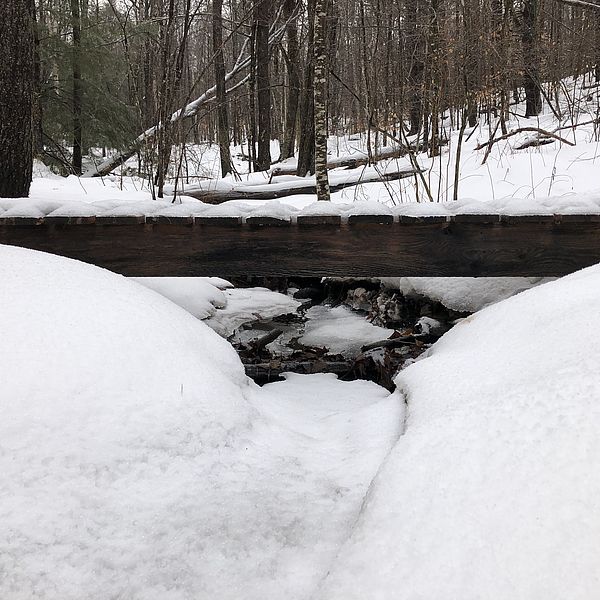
[[137, 461], [493, 491], [198, 295], [463, 294]]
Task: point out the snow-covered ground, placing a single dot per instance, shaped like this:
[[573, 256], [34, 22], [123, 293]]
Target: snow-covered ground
[[494, 489], [137, 461], [463, 294], [550, 178], [200, 296]]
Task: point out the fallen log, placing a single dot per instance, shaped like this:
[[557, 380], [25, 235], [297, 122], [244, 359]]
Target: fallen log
[[348, 162], [289, 188]]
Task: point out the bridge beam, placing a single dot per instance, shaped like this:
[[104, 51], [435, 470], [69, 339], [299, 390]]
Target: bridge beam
[[365, 246]]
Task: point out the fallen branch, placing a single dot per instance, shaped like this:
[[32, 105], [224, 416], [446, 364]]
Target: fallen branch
[[541, 132], [270, 371], [281, 190], [259, 343], [408, 340], [534, 142], [242, 63], [349, 162], [575, 125]]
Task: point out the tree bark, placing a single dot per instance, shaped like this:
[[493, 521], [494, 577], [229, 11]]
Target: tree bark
[[16, 97], [262, 15], [37, 112], [223, 126], [531, 79], [306, 144], [77, 87], [414, 49], [293, 90], [320, 100]]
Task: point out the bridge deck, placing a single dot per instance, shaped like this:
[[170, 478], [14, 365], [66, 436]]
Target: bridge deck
[[361, 246]]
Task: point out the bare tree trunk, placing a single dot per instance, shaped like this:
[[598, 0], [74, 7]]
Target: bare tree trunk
[[77, 87], [262, 15], [533, 93], [293, 91], [37, 113], [320, 95], [217, 29], [306, 145], [16, 97], [414, 49]]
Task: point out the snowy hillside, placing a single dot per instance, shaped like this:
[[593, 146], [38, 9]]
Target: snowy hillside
[[508, 176]]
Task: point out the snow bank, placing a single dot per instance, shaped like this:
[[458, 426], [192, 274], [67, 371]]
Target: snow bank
[[463, 294], [198, 295], [113, 402], [137, 461], [494, 490]]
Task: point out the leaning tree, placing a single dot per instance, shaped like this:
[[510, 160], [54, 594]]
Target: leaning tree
[[16, 96]]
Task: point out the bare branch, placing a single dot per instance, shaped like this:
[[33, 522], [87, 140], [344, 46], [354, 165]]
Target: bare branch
[[541, 132]]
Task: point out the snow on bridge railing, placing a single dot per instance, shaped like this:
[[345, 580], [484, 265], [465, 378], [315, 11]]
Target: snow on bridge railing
[[355, 240]]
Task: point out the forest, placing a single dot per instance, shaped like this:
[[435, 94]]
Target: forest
[[110, 80]]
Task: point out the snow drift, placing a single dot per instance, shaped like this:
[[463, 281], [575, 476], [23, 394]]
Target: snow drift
[[138, 462], [494, 489]]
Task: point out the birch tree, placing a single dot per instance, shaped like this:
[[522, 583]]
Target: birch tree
[[320, 99]]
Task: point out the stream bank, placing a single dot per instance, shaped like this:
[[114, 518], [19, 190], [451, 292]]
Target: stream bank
[[357, 329]]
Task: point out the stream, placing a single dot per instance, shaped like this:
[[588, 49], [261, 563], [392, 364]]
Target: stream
[[355, 329]]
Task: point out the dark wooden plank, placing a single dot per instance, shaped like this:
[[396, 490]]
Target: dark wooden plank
[[268, 221], [426, 247], [319, 220], [377, 219]]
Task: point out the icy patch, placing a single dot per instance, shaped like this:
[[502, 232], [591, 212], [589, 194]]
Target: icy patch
[[250, 304], [340, 330]]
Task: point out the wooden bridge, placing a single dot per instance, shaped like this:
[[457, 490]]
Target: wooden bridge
[[359, 246]]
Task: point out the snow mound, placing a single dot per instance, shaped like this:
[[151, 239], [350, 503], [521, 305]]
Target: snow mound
[[463, 294], [113, 402], [137, 461], [494, 489], [199, 296]]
